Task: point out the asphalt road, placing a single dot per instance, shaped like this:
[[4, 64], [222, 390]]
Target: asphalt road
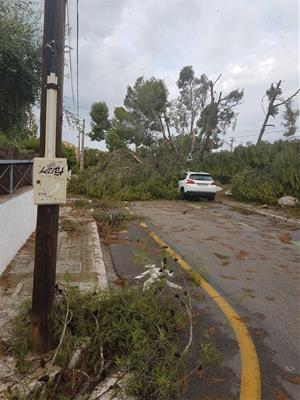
[[254, 262]]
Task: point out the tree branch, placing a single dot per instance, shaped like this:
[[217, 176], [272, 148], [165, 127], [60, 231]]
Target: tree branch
[[217, 79], [287, 100], [262, 106]]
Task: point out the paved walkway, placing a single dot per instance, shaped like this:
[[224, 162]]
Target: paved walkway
[[79, 257]]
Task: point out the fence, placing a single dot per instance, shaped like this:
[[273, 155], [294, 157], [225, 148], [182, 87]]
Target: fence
[[15, 174]]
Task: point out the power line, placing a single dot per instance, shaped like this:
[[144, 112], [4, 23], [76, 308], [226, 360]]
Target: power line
[[70, 53], [77, 55], [256, 133]]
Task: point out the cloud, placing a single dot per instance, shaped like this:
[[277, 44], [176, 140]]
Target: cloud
[[251, 43]]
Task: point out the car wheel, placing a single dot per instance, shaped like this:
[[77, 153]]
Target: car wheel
[[182, 194], [211, 197]]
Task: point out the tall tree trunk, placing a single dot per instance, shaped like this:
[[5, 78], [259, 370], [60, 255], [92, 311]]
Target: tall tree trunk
[[164, 132], [209, 128], [269, 112], [263, 127], [171, 141]]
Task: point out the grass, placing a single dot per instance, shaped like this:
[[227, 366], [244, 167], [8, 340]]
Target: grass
[[116, 329], [20, 342], [110, 218], [294, 212], [210, 354], [68, 225]]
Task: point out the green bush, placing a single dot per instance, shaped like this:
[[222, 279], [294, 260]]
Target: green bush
[[256, 185], [259, 173], [122, 178], [117, 330], [275, 172]]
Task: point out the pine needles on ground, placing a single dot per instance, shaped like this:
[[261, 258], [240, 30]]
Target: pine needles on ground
[[127, 330]]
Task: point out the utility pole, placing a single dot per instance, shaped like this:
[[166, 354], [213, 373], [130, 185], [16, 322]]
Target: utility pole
[[47, 215], [82, 145], [231, 144], [79, 140]]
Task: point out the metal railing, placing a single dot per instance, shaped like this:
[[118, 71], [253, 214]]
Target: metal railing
[[15, 174]]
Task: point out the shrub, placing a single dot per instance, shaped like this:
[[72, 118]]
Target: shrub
[[259, 173], [115, 329], [256, 185]]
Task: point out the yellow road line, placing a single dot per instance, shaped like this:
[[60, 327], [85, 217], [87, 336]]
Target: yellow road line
[[250, 386]]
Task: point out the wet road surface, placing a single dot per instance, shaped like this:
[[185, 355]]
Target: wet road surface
[[254, 262]]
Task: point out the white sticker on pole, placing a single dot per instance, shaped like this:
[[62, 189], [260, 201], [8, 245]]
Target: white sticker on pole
[[50, 180]]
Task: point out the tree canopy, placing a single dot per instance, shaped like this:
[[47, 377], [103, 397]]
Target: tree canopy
[[189, 126], [20, 63], [100, 121]]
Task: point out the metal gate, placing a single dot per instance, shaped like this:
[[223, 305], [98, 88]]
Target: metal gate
[[15, 174]]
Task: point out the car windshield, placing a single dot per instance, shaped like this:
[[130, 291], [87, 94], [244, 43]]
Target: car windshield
[[201, 177]]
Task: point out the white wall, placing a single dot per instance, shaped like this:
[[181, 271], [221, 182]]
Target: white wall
[[17, 222]]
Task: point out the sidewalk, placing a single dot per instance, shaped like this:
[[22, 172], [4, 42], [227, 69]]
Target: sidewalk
[[79, 257]]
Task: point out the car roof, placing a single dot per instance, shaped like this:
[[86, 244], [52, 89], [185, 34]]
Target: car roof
[[198, 172]]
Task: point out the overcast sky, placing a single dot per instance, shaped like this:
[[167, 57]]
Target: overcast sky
[[252, 43]]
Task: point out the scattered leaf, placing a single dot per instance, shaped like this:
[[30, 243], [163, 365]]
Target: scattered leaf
[[221, 256], [241, 255], [228, 277], [293, 379], [184, 383], [279, 395], [225, 263], [217, 380], [243, 319], [211, 238], [260, 332], [248, 290], [200, 372], [211, 330], [285, 238], [270, 298]]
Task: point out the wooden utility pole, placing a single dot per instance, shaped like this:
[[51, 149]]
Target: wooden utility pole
[[79, 140], [47, 215], [231, 144], [82, 144]]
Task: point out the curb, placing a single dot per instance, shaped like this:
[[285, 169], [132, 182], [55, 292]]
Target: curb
[[98, 260], [255, 210]]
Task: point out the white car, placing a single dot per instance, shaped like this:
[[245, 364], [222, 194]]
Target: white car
[[198, 184]]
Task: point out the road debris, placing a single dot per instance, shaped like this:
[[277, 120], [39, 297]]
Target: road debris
[[156, 274]]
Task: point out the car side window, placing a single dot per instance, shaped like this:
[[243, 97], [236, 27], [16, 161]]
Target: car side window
[[183, 177]]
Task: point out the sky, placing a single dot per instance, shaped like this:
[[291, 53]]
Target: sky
[[252, 43]]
